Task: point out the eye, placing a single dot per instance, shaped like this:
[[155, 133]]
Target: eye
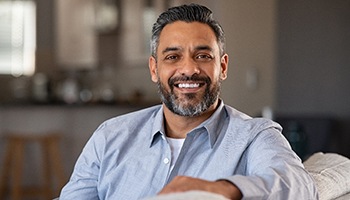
[[171, 57], [204, 57]]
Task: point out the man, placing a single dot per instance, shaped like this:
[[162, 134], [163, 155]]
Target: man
[[193, 141]]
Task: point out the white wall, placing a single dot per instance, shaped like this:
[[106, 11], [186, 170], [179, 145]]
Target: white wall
[[250, 31], [250, 28]]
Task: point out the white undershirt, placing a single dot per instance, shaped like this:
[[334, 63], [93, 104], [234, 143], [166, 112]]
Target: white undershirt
[[175, 146]]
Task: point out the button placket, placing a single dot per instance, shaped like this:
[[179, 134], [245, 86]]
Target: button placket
[[166, 160], [167, 157]]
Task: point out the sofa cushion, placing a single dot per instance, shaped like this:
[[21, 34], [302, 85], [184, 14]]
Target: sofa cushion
[[202, 195], [331, 173], [343, 197]]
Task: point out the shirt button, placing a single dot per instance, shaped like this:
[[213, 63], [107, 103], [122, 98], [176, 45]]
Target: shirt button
[[166, 160]]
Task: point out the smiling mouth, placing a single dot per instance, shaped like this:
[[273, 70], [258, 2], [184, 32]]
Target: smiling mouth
[[189, 85]]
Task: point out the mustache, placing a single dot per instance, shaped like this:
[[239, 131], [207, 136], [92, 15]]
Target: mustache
[[194, 77]]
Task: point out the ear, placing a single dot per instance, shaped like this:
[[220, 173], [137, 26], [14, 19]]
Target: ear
[[224, 67], [152, 64]]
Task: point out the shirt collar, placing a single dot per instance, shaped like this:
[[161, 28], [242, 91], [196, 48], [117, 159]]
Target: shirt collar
[[212, 125], [158, 130]]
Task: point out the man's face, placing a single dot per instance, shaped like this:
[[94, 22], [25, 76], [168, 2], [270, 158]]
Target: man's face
[[189, 68]]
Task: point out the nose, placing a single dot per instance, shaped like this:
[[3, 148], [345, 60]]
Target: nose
[[189, 67]]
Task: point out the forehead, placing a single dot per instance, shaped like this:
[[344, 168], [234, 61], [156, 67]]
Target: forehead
[[182, 33]]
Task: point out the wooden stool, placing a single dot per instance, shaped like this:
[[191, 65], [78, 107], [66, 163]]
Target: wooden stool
[[13, 166]]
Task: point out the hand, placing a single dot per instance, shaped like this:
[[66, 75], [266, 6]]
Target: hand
[[185, 183]]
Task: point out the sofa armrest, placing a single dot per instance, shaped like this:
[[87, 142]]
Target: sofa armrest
[[331, 174]]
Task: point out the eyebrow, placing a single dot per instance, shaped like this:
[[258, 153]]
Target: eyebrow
[[168, 49], [197, 48], [204, 47]]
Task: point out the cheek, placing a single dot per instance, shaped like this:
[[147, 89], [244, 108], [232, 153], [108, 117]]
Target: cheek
[[214, 74], [164, 75]]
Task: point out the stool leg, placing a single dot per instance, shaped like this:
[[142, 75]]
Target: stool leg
[[6, 169], [17, 170], [57, 166], [46, 168]]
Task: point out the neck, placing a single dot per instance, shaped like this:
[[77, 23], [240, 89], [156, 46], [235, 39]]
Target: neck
[[177, 126]]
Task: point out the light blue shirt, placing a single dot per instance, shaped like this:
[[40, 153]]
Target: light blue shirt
[[128, 157]]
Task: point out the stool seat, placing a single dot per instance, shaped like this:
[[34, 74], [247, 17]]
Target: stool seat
[[12, 173]]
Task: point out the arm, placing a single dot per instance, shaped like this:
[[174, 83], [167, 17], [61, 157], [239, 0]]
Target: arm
[[273, 170], [184, 183], [84, 179]]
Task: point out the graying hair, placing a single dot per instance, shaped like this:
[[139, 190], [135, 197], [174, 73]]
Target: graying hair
[[187, 13]]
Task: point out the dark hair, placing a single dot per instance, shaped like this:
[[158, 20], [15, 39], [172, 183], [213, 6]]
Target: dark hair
[[187, 13]]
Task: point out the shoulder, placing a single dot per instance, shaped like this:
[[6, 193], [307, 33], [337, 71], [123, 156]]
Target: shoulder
[[135, 117], [126, 124], [122, 131], [243, 120], [247, 126]]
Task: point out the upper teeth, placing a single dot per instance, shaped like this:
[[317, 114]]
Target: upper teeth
[[188, 85]]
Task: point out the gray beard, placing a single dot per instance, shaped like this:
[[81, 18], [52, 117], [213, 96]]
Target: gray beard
[[186, 107]]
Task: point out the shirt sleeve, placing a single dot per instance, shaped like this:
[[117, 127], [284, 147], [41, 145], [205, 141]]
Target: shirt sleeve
[[273, 170], [84, 179]]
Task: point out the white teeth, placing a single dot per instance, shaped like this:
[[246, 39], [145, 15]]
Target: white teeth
[[188, 85]]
